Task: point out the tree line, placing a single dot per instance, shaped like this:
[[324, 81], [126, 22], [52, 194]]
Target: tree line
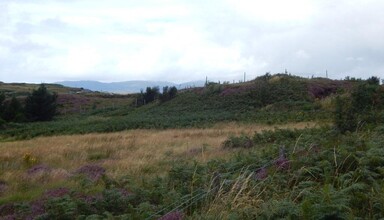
[[40, 105]]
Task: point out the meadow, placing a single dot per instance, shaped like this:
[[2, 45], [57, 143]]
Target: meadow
[[135, 152]]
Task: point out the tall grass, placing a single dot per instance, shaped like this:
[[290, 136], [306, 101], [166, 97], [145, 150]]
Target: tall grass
[[136, 153]]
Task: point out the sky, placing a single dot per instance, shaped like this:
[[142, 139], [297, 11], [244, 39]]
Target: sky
[[185, 40]]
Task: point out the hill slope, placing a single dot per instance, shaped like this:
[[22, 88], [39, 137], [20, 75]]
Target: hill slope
[[127, 86], [275, 99]]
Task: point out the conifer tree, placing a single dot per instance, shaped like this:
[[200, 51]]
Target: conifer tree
[[41, 105]]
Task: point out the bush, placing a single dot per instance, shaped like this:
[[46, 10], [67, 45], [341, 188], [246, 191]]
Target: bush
[[363, 107]]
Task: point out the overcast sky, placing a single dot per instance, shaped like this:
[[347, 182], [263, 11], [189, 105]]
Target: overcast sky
[[185, 40]]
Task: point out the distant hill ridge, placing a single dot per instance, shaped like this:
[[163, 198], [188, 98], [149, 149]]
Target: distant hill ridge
[[127, 86]]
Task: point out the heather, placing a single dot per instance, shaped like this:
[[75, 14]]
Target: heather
[[277, 147], [269, 99], [304, 177]]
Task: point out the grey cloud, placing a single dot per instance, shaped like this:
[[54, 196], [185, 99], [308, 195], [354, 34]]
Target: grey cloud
[[343, 37]]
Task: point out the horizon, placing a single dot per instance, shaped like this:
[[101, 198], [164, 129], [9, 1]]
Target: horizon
[[186, 41], [325, 76]]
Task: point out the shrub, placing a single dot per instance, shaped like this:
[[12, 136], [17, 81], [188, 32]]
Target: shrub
[[363, 107]]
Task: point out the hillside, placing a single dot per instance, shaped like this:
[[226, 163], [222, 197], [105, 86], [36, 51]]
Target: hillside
[[277, 147], [273, 100], [127, 86]]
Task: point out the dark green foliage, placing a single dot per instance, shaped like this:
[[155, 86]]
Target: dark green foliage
[[373, 80], [13, 111], [61, 208], [168, 93], [279, 209], [40, 105], [344, 116], [151, 94], [326, 203], [2, 99], [363, 98], [363, 107]]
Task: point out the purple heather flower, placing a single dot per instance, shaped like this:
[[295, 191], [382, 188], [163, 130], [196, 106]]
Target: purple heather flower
[[92, 171], [41, 168], [262, 173]]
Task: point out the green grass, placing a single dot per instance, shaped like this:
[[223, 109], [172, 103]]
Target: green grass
[[287, 100]]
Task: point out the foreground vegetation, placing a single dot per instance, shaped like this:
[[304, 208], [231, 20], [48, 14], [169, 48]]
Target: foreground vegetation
[[278, 147], [323, 174]]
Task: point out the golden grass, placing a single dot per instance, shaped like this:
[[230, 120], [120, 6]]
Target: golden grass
[[132, 152]]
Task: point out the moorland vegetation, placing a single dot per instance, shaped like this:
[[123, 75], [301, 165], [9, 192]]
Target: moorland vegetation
[[279, 146]]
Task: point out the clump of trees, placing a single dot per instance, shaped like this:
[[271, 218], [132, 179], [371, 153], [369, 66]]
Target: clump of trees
[[168, 93], [38, 106], [153, 93]]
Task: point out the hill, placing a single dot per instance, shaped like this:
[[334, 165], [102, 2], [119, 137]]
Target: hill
[[267, 99], [127, 86]]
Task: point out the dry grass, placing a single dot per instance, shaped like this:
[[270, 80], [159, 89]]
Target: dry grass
[[133, 152]]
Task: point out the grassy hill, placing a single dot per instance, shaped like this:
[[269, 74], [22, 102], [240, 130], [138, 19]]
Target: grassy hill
[[277, 147], [272, 100]]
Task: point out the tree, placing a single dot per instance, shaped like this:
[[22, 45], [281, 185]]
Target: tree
[[41, 105], [373, 80], [168, 93], [13, 110], [151, 94], [2, 99], [172, 92]]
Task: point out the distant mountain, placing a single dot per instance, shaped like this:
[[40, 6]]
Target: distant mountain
[[127, 86]]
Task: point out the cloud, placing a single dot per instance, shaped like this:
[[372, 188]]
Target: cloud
[[187, 40]]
